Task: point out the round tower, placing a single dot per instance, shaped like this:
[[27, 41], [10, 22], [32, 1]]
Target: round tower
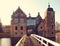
[[50, 23]]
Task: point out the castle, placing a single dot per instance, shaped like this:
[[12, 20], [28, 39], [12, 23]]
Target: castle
[[21, 25]]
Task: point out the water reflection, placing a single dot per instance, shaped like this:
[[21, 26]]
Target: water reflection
[[5, 42]]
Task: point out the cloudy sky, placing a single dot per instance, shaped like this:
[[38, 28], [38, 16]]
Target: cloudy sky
[[28, 6]]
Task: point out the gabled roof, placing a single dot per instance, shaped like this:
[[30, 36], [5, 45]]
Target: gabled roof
[[18, 11]]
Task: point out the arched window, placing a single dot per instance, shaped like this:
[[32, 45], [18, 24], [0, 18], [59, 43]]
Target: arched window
[[52, 33], [41, 27], [16, 28], [21, 28]]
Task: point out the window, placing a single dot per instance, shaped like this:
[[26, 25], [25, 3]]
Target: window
[[21, 27], [41, 27], [16, 20], [52, 32], [15, 27], [31, 22], [21, 20]]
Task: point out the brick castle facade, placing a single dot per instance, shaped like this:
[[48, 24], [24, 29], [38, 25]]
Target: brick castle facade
[[21, 25]]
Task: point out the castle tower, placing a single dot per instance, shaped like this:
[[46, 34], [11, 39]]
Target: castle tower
[[50, 23], [18, 23]]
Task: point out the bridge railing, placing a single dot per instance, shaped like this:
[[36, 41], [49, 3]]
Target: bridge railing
[[21, 41], [44, 41]]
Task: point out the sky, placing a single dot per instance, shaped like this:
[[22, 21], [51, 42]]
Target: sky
[[7, 7]]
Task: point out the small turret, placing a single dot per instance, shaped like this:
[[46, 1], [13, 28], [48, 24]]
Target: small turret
[[49, 8], [48, 5], [38, 18], [29, 15]]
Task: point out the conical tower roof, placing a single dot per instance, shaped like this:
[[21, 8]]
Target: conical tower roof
[[19, 12], [49, 8]]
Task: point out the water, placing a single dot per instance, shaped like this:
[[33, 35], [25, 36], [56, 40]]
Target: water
[[5, 42]]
